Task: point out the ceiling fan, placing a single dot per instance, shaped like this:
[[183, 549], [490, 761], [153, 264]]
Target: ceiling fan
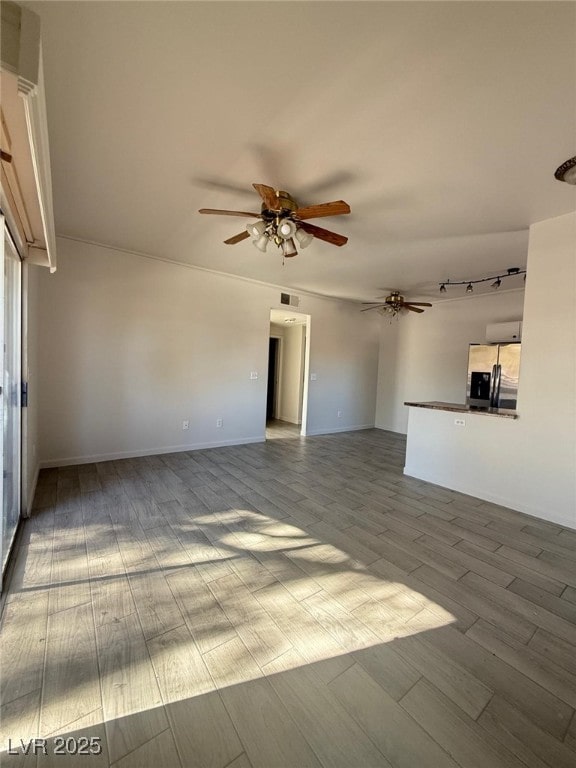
[[394, 303], [281, 220]]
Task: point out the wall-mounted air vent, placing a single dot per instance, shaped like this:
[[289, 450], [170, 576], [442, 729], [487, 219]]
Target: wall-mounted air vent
[[292, 301]]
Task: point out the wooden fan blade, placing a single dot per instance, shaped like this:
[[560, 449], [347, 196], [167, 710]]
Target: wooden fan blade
[[268, 195], [228, 213], [237, 238], [324, 234], [336, 208], [412, 309], [414, 303]]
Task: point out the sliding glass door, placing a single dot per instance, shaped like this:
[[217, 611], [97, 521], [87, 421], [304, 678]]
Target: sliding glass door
[[11, 334]]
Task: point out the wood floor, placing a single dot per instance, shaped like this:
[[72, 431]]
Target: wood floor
[[276, 429], [296, 603]]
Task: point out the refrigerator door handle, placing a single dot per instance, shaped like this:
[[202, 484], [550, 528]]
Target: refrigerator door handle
[[497, 380], [493, 386]]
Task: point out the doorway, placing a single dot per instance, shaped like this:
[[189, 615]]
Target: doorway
[[273, 370], [286, 399]]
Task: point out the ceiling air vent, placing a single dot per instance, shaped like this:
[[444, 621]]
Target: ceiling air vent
[[292, 301]]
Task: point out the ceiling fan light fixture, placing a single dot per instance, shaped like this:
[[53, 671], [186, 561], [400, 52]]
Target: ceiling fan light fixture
[[390, 310], [256, 228], [261, 243], [395, 304], [280, 219], [567, 171], [286, 229], [288, 248], [304, 238]]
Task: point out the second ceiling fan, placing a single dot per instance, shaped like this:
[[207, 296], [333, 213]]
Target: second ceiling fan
[[282, 221], [394, 303]]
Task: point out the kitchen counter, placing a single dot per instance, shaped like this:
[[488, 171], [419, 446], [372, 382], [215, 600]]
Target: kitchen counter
[[437, 405], [454, 446]]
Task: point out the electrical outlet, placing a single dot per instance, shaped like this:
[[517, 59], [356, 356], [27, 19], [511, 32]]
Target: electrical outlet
[[313, 376], [185, 424], [460, 422], [219, 422], [339, 414], [253, 374]]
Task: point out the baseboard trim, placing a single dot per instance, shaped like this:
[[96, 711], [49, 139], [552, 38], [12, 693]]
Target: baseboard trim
[[314, 432], [493, 498], [93, 459]]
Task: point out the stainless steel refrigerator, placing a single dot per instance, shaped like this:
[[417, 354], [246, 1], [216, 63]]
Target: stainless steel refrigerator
[[493, 371]]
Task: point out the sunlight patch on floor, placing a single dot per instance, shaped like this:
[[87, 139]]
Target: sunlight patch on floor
[[260, 597]]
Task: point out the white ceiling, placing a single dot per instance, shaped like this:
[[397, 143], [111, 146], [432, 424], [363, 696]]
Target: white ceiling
[[441, 124]]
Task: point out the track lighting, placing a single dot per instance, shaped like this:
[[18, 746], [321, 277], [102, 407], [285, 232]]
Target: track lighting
[[497, 280]]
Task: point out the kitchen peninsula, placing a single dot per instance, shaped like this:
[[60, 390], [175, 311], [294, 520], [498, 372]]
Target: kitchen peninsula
[[456, 446]]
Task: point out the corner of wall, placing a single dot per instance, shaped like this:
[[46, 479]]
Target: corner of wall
[[31, 490]]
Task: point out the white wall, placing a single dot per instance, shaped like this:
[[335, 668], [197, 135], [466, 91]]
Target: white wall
[[425, 357], [129, 347], [343, 383], [528, 464], [291, 374]]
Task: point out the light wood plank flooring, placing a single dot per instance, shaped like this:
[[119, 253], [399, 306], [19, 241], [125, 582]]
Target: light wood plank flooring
[[292, 603], [276, 429]]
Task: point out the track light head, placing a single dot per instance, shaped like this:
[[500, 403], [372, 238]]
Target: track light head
[[567, 171]]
